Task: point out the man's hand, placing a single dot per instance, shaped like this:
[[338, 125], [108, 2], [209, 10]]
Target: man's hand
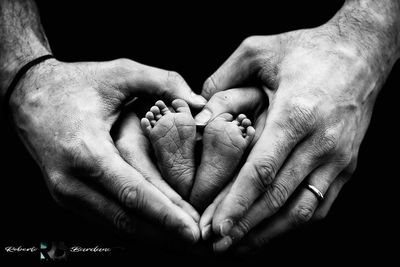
[[321, 84], [64, 113]]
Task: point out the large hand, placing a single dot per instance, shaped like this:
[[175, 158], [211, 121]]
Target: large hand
[[321, 85], [64, 113]]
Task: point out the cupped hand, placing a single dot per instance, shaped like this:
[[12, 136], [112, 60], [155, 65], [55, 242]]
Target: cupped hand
[[321, 90], [64, 113]]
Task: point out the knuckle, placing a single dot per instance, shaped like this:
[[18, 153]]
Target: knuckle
[[299, 119], [241, 229], [59, 190], [327, 142], [123, 223], [276, 196], [251, 46], [301, 215], [264, 172], [173, 79], [242, 203], [165, 219], [344, 158], [130, 196]]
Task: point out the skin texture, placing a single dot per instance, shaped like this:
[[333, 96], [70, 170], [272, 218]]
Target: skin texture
[[225, 140], [67, 130], [173, 137], [172, 133], [321, 85], [64, 114]]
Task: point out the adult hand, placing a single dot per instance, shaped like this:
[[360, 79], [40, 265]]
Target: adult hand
[[321, 84], [64, 113]]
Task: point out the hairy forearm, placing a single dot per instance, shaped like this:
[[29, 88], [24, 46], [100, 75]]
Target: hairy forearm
[[22, 38], [374, 26]]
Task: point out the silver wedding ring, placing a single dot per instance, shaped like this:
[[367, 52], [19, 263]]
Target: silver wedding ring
[[315, 191]]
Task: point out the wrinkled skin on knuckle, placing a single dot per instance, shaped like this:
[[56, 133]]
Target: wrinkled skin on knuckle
[[344, 157], [242, 202], [252, 46], [241, 229], [275, 196], [131, 196], [325, 143], [297, 117], [301, 215], [262, 172], [334, 143]]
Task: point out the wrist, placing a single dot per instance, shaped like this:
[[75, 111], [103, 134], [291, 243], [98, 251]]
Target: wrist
[[22, 38], [13, 62], [29, 88], [372, 28]]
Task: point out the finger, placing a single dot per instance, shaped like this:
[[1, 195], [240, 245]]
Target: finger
[[136, 150], [96, 207], [75, 195], [248, 100], [133, 192], [296, 213], [206, 217], [87, 202], [330, 196], [138, 79], [292, 173], [283, 130], [237, 69]]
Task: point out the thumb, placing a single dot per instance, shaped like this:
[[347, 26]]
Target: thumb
[[255, 54], [135, 80], [248, 100]]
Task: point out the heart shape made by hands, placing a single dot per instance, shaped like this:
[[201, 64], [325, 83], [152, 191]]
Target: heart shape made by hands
[[173, 134]]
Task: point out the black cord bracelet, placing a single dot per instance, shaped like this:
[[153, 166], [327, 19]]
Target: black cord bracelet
[[18, 76]]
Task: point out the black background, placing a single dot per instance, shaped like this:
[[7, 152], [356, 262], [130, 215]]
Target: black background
[[194, 39]]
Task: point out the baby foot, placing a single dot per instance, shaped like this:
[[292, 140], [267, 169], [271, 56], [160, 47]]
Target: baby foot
[[225, 140], [172, 134]]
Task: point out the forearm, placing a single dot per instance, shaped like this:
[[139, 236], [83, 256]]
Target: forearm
[[22, 38], [374, 26]]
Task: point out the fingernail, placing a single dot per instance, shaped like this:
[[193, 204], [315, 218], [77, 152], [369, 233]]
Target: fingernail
[[198, 98], [206, 232], [203, 117], [222, 244], [225, 227]]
